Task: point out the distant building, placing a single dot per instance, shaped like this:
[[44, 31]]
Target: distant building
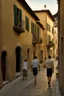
[[56, 32], [56, 19], [47, 20]]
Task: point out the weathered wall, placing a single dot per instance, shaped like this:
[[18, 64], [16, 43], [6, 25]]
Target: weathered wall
[[0, 41], [61, 44]]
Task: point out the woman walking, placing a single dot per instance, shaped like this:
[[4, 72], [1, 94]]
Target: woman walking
[[25, 69]]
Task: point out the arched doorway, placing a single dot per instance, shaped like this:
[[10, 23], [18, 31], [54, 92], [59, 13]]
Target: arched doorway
[[3, 64], [18, 58], [28, 55], [28, 50]]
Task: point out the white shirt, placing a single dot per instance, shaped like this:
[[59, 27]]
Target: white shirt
[[49, 63], [25, 65], [35, 63]]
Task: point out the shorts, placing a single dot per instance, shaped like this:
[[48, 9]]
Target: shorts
[[49, 72], [35, 71]]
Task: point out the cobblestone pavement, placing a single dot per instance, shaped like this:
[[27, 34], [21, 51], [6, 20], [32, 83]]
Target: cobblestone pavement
[[28, 88]]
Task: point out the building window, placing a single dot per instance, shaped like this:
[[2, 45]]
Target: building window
[[27, 23], [52, 29], [17, 16], [48, 27], [33, 27], [37, 31], [48, 38]]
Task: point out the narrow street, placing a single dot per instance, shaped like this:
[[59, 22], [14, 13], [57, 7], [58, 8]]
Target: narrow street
[[19, 87]]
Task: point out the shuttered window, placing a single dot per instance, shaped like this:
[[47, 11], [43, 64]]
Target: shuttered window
[[27, 23], [17, 16], [35, 29], [32, 27], [48, 27]]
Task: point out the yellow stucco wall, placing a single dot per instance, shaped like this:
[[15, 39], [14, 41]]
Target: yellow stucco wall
[[51, 23], [61, 45], [45, 18], [0, 41], [43, 21], [10, 39]]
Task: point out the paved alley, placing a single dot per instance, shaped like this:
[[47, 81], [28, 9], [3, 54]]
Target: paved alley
[[19, 87]]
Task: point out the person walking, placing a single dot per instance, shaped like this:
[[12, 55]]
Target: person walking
[[49, 64], [35, 64], [25, 69]]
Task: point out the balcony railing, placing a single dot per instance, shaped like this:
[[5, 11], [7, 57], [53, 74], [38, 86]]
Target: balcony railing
[[35, 38], [20, 27]]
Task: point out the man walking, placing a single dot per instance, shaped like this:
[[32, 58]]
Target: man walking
[[49, 64], [35, 64]]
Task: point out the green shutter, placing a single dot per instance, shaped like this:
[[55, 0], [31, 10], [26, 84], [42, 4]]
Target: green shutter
[[27, 23], [15, 15], [31, 27], [20, 15], [35, 29]]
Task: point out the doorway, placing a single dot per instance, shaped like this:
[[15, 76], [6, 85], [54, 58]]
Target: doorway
[[18, 58], [3, 64], [28, 54]]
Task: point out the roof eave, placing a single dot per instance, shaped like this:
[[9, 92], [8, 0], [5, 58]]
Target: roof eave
[[37, 11], [28, 9]]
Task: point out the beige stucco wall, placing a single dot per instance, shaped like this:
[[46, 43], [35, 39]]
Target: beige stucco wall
[[45, 18], [0, 41], [10, 39], [51, 23], [61, 45], [43, 21], [56, 41], [43, 41]]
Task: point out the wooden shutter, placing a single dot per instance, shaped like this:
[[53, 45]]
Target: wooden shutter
[[32, 27], [27, 23], [35, 29], [20, 15]]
